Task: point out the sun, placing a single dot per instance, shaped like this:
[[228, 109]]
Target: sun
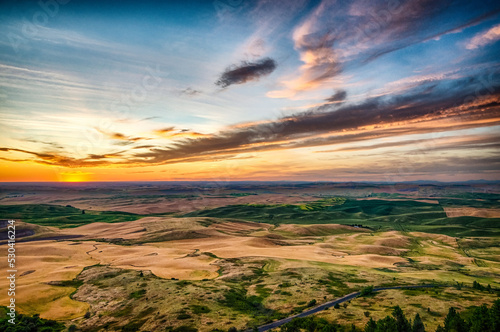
[[75, 176]]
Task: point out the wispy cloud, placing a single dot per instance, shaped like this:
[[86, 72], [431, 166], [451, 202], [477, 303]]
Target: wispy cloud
[[315, 47], [431, 144], [410, 114], [353, 78], [122, 138], [54, 159], [340, 34], [190, 92], [484, 38], [173, 133]]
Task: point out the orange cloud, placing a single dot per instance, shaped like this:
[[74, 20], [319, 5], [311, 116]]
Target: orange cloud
[[172, 133], [315, 48]]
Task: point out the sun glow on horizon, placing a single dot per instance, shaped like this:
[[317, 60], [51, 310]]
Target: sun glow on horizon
[[75, 177]]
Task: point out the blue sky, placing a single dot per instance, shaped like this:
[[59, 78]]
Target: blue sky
[[238, 89]]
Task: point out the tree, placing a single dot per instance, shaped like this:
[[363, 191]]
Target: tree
[[328, 328], [453, 322], [440, 329], [495, 315], [387, 324], [26, 323], [371, 325], [311, 303], [366, 291], [481, 320], [418, 325], [477, 285], [292, 326], [402, 323]]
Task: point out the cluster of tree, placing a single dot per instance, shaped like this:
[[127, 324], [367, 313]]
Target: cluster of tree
[[480, 287], [480, 319], [25, 323], [359, 226], [312, 324], [397, 323]]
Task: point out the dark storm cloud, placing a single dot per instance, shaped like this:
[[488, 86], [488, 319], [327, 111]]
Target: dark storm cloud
[[338, 96], [246, 71]]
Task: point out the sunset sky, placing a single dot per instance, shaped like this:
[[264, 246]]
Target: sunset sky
[[249, 90]]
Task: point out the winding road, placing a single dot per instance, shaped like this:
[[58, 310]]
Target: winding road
[[329, 304]]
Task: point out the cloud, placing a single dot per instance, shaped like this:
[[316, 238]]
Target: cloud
[[246, 71], [105, 156], [445, 107], [431, 144], [337, 97], [164, 131], [377, 117], [315, 47], [189, 92], [51, 159], [343, 34], [173, 133], [484, 38], [121, 138], [381, 27], [51, 144]]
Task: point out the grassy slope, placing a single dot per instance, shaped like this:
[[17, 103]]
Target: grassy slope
[[377, 214], [274, 288], [61, 216], [264, 291]]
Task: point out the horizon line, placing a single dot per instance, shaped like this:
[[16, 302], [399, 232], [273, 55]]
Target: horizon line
[[236, 181]]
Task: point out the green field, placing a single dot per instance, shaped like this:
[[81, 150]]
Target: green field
[[251, 290], [403, 215], [62, 216], [376, 214]]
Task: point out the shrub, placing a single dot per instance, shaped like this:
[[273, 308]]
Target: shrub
[[185, 328], [367, 291], [183, 316], [200, 309], [311, 303]]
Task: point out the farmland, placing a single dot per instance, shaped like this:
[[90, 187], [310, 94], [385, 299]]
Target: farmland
[[246, 264]]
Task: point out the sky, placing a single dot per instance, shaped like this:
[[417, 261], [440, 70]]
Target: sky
[[229, 90]]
